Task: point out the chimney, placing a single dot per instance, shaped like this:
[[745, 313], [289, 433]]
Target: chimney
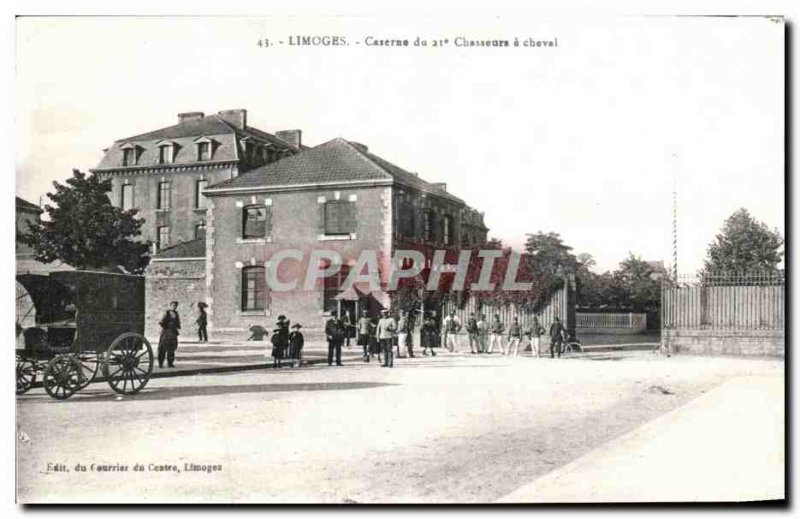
[[237, 118], [442, 186], [190, 116], [293, 137]]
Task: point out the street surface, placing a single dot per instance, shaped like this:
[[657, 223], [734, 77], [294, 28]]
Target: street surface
[[451, 428]]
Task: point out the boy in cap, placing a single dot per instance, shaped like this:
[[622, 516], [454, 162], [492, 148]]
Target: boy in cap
[[296, 342]]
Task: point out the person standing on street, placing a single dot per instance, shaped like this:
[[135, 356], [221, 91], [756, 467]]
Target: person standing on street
[[473, 335], [168, 341], [428, 336], [402, 333], [202, 322], [514, 337], [451, 326], [556, 337], [497, 334], [365, 329], [534, 334], [483, 334], [386, 333], [334, 332], [349, 327], [296, 342], [408, 330]]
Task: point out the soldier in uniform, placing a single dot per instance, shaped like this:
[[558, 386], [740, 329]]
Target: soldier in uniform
[[557, 332], [386, 333], [168, 341], [473, 334], [364, 328], [428, 335], [497, 334], [335, 333], [514, 337]]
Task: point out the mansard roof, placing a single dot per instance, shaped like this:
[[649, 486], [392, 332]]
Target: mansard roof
[[336, 161], [224, 134]]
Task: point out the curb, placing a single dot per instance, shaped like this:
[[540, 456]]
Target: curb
[[205, 371]]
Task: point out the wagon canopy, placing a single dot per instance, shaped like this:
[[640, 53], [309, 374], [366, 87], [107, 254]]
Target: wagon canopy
[[52, 300]]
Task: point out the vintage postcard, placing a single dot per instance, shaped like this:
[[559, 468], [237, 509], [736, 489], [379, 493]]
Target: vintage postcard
[[392, 260]]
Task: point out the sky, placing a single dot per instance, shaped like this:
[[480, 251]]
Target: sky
[[585, 139]]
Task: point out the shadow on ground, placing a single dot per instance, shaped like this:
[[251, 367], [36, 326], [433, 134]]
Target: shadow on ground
[[168, 393]]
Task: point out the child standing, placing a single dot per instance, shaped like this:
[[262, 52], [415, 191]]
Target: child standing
[[296, 345]]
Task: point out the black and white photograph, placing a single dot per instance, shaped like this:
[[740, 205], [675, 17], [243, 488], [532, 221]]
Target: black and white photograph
[[414, 259]]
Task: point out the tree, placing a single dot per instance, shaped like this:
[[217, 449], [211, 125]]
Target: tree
[[744, 245], [548, 255], [642, 290], [85, 230]]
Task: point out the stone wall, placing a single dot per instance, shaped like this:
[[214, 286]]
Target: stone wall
[[725, 342], [183, 216], [178, 280]]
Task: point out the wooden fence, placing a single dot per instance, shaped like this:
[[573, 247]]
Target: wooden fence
[[741, 303]]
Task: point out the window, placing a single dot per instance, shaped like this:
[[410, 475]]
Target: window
[[447, 230], [428, 224], [255, 221], [126, 197], [254, 288], [129, 157], [340, 217], [332, 288], [164, 192], [163, 238], [406, 219], [200, 231], [203, 151], [199, 198], [165, 154]]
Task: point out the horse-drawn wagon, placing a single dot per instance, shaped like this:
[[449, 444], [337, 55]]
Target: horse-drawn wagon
[[83, 322]]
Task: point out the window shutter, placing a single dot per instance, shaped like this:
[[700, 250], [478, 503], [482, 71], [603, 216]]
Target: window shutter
[[240, 222], [240, 289], [268, 221], [321, 218]]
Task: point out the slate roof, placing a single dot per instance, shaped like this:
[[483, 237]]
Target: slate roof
[[183, 134], [334, 161], [24, 205], [187, 249]]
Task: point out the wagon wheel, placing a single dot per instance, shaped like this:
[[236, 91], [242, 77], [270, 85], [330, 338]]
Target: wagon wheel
[[89, 364], [128, 363], [26, 374], [62, 376]]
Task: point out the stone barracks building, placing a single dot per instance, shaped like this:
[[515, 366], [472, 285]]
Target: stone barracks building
[[254, 194]]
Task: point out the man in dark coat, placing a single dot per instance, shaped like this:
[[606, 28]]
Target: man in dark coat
[[557, 332], [168, 341], [335, 334], [202, 322]]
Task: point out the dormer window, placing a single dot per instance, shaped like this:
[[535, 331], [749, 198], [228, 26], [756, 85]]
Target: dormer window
[[129, 155], [205, 148], [203, 151], [166, 153]]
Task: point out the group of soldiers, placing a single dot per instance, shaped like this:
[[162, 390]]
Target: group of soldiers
[[380, 338], [483, 336], [396, 333]]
